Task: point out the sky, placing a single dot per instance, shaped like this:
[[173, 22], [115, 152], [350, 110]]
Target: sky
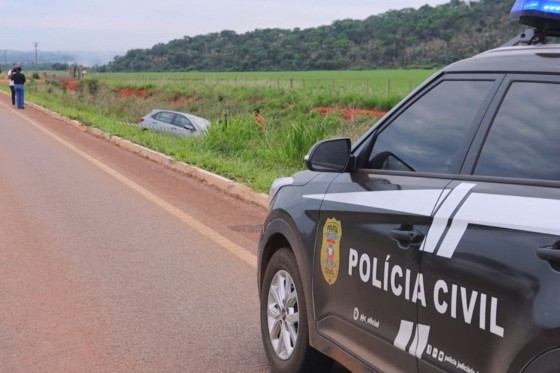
[[120, 25]]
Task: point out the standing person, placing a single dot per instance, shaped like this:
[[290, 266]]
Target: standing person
[[19, 80], [11, 82]]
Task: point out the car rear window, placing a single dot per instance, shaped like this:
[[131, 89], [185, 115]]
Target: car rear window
[[524, 140]]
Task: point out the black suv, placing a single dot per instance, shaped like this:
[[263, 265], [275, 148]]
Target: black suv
[[433, 243]]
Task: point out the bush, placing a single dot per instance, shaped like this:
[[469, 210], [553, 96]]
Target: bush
[[89, 85]]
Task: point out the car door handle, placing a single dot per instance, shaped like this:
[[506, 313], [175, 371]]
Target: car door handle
[[551, 254], [407, 236]]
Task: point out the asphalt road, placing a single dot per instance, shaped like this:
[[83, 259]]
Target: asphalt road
[[110, 262]]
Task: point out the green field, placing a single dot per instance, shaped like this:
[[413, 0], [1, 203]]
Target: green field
[[235, 147], [380, 82]]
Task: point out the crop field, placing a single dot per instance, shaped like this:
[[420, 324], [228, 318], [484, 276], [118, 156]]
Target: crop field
[[378, 82], [299, 109]]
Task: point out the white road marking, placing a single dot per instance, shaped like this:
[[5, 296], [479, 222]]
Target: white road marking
[[201, 228]]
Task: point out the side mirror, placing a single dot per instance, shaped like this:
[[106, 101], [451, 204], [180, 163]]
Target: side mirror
[[329, 156], [189, 128]]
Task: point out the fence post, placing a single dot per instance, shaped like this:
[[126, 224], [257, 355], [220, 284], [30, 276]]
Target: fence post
[[291, 83], [388, 87]]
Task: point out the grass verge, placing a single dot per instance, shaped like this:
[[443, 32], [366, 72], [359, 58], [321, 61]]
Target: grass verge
[[235, 147]]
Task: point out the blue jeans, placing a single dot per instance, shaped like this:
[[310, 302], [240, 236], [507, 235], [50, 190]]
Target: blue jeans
[[20, 93], [12, 88]]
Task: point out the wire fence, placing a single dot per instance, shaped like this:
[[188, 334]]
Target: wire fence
[[380, 83], [380, 86]]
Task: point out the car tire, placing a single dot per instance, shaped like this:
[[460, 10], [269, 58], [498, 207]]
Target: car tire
[[284, 327]]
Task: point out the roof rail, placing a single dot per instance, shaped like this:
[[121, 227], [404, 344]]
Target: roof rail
[[527, 37]]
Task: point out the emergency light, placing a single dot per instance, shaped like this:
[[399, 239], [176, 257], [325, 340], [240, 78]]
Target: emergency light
[[541, 14]]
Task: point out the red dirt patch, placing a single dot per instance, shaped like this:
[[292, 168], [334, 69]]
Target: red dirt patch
[[350, 113], [70, 84], [125, 92]]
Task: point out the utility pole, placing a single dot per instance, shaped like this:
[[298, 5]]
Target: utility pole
[[35, 44]]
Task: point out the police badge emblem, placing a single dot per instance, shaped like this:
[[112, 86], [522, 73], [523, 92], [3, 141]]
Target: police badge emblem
[[330, 250]]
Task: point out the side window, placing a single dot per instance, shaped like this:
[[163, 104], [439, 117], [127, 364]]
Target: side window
[[183, 122], [164, 117], [429, 136], [524, 140]]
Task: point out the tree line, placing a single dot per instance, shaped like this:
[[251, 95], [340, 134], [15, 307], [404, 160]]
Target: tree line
[[425, 37]]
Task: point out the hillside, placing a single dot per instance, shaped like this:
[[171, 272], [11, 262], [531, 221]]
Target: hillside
[[424, 37]]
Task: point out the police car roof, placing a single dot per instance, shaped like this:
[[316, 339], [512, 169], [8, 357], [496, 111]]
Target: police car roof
[[543, 58]]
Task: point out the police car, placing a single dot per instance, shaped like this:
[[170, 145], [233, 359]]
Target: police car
[[433, 242]]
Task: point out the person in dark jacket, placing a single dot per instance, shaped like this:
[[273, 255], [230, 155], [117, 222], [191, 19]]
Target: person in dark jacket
[[19, 80]]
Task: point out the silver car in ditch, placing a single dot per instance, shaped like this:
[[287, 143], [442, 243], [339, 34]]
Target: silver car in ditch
[[174, 123]]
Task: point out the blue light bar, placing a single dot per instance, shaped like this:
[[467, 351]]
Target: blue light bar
[[543, 9]]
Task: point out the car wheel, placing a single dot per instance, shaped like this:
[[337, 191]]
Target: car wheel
[[284, 328]]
